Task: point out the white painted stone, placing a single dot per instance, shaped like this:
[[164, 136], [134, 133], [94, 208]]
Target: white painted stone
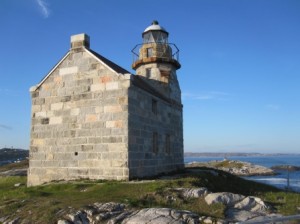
[[55, 120], [41, 114], [127, 76], [75, 112], [69, 70], [97, 87], [112, 85], [57, 106]]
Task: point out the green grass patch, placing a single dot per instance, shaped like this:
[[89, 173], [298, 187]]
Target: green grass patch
[[41, 204], [19, 165], [228, 164]]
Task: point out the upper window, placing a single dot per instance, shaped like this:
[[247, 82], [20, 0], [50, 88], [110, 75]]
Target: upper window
[[168, 144], [149, 52], [155, 143], [154, 106], [148, 72]]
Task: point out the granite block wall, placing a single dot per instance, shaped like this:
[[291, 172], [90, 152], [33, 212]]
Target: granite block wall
[[79, 122], [155, 134]]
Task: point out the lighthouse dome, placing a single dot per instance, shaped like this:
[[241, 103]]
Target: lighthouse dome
[[155, 27]]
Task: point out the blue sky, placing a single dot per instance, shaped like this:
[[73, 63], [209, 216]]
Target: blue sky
[[240, 75]]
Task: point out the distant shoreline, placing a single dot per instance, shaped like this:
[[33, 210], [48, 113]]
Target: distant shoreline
[[229, 154]]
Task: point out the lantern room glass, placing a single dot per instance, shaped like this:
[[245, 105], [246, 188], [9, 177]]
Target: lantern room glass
[[155, 36]]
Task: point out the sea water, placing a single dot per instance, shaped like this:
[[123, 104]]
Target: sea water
[[282, 179]]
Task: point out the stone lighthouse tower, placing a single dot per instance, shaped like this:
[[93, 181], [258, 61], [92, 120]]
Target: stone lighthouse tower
[[157, 60]]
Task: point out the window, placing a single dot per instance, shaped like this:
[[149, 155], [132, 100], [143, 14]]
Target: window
[[154, 143], [154, 106], [148, 72], [149, 52], [168, 144]]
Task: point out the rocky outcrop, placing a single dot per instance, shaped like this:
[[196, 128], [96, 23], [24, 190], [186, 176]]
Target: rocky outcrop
[[227, 199], [239, 168], [115, 213], [192, 192], [240, 208], [14, 172], [285, 168]]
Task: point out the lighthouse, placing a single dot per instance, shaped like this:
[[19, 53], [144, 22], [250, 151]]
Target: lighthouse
[[157, 60]]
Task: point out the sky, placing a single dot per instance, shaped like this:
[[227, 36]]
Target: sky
[[240, 74]]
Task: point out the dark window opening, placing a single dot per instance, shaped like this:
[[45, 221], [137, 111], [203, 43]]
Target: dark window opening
[[155, 143], [76, 153], [149, 52], [148, 72], [168, 144], [154, 106], [45, 121]]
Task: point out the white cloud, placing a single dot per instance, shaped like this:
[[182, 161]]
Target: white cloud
[[44, 7], [5, 127], [209, 95], [272, 106]]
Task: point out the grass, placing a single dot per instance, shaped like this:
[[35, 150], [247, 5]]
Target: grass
[[229, 164], [19, 165], [42, 204]]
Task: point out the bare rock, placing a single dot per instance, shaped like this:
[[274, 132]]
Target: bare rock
[[240, 215], [109, 207], [63, 222], [79, 217], [162, 215], [226, 198], [253, 204], [14, 221], [193, 192]]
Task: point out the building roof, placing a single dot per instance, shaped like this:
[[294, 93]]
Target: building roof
[[155, 26], [109, 63]]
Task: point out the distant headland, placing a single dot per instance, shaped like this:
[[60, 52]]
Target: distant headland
[[230, 154]]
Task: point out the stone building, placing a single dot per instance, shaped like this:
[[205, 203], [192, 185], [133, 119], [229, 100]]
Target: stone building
[[92, 119]]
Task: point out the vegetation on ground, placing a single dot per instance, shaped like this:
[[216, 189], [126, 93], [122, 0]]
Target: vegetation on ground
[[44, 204], [19, 165]]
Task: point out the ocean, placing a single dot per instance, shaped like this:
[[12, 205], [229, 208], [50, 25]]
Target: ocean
[[281, 180]]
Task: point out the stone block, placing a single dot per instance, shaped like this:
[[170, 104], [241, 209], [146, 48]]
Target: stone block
[[95, 172], [114, 124], [119, 163], [94, 140], [55, 120], [91, 118], [41, 114], [38, 142], [112, 139], [75, 111], [112, 109], [79, 141], [87, 148], [93, 155], [77, 172], [97, 87], [68, 70], [57, 106], [68, 163], [50, 163], [112, 85], [36, 108], [101, 148], [117, 147], [105, 79]]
